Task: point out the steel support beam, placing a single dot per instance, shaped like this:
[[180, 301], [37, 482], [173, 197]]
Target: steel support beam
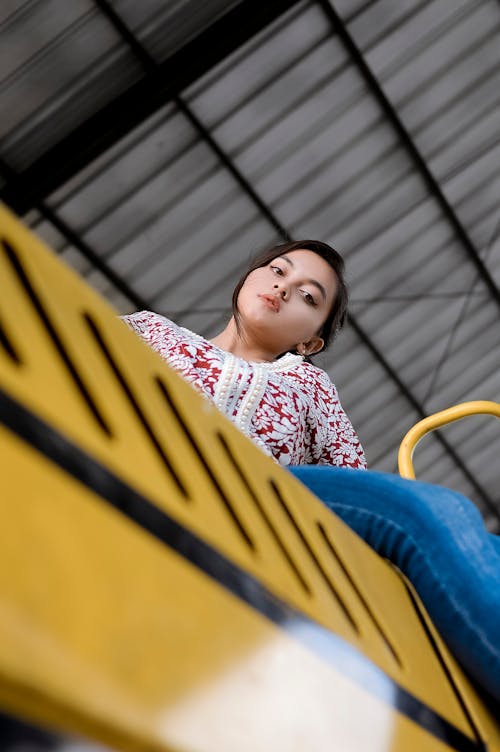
[[409, 144], [86, 251], [419, 409], [142, 99], [151, 68]]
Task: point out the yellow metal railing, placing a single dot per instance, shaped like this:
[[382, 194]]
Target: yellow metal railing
[[442, 418]]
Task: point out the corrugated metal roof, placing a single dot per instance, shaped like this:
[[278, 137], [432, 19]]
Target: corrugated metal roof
[[371, 125]]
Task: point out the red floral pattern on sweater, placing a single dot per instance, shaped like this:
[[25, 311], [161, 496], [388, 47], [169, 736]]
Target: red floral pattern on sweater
[[289, 407]]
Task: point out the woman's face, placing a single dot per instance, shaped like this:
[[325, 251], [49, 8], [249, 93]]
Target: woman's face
[[284, 304]]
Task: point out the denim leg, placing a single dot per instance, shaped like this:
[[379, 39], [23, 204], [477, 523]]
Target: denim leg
[[438, 539]]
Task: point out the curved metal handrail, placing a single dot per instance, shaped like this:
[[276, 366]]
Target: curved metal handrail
[[442, 418]]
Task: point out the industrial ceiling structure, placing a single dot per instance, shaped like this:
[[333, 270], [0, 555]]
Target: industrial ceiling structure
[[156, 146]]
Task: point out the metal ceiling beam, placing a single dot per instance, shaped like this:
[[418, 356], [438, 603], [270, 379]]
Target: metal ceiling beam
[[87, 252], [142, 99], [419, 409], [151, 67], [435, 189]]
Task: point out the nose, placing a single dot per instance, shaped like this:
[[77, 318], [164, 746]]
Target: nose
[[281, 291]]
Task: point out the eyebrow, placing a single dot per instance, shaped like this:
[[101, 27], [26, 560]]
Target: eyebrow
[[310, 281]]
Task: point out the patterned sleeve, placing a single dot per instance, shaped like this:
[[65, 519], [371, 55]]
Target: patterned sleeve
[[338, 443], [139, 322]]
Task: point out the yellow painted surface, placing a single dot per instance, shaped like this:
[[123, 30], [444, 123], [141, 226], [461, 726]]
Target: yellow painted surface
[[122, 634], [106, 631]]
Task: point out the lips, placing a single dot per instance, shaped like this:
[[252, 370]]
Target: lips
[[271, 301]]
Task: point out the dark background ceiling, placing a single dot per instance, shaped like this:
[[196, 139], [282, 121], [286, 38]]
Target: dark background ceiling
[[157, 145]]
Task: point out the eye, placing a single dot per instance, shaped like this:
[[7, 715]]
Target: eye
[[277, 270], [308, 298]]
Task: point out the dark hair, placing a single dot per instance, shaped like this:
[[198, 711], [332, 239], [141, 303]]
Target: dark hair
[[337, 315]]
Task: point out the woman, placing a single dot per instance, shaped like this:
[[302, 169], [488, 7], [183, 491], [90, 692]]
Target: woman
[[287, 307]]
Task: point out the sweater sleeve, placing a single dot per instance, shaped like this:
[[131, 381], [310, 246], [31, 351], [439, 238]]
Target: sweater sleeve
[[140, 323], [338, 443], [161, 334]]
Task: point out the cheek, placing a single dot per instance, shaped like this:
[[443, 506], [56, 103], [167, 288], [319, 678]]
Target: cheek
[[251, 286], [255, 278], [247, 298], [309, 322]]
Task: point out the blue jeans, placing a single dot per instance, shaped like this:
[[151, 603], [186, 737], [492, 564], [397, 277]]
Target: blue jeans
[[438, 539]]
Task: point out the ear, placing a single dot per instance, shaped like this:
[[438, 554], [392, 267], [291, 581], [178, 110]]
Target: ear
[[312, 346]]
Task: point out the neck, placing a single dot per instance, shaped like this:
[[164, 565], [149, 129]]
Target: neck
[[237, 344]]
